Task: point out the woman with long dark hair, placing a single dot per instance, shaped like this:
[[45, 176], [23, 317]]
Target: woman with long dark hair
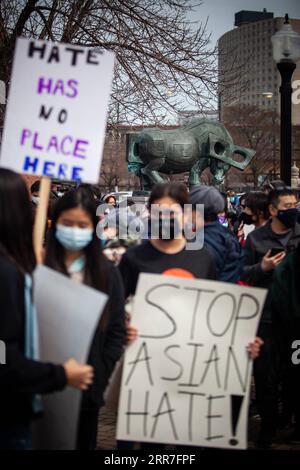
[[22, 376], [74, 249]]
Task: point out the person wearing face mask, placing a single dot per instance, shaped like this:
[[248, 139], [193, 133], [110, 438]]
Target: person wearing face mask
[[255, 213], [35, 192], [219, 240], [73, 249], [23, 377], [110, 199], [266, 246], [255, 209], [265, 249], [34, 196], [165, 251]]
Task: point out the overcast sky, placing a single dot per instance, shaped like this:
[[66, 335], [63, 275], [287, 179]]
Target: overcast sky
[[220, 13]]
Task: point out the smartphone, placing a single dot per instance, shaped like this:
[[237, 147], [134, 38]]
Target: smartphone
[[276, 251]]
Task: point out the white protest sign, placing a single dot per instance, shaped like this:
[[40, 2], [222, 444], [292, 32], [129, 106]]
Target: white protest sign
[[56, 113], [186, 378], [68, 314]]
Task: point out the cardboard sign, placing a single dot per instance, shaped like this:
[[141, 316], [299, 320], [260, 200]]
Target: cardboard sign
[[56, 113], [186, 378], [68, 314]]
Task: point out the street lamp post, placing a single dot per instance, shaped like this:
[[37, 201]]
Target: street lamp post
[[286, 51], [269, 96]]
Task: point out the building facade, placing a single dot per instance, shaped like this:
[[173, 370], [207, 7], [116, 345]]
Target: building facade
[[248, 75]]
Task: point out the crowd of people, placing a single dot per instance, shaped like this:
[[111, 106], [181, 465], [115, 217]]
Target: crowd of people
[[252, 240]]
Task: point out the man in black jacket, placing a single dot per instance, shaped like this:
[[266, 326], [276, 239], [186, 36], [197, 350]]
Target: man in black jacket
[[220, 242], [265, 249]]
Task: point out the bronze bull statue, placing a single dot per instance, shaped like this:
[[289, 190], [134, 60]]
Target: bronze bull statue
[[194, 147]]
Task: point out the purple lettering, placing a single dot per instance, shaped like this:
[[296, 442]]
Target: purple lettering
[[59, 86], [44, 83], [25, 133], [65, 139], [34, 143], [72, 84], [53, 143], [78, 149]]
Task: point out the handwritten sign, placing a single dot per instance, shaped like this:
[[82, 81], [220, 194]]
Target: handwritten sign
[[56, 113], [186, 378]]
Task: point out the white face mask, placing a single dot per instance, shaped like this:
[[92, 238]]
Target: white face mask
[[73, 238], [35, 199]]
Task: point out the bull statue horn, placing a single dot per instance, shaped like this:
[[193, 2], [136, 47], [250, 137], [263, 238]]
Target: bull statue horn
[[248, 154]]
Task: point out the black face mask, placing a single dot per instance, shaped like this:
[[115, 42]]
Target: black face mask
[[166, 229], [288, 217], [246, 218]]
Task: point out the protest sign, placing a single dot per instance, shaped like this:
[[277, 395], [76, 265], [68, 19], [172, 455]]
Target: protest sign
[[68, 313], [56, 113], [186, 378]]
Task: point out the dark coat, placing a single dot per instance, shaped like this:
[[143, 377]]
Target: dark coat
[[20, 377], [284, 299], [225, 250], [108, 343], [257, 245]]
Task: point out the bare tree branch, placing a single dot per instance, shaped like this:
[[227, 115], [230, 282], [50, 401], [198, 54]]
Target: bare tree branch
[[165, 63]]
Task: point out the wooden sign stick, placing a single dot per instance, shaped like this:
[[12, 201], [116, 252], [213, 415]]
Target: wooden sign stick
[[41, 218]]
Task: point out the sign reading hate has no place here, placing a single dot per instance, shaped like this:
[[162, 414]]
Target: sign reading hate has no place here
[[56, 112], [186, 379]]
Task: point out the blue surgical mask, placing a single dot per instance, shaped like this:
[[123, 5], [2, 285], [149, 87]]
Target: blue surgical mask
[[73, 238]]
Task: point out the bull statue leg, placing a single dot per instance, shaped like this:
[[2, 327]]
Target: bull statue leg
[[151, 170], [196, 170]]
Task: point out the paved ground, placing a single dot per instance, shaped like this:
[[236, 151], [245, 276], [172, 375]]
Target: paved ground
[[107, 428]]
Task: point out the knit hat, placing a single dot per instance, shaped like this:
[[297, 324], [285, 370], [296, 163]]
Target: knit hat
[[209, 196]]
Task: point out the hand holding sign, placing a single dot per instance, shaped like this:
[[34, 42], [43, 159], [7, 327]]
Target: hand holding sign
[[78, 375], [186, 377]]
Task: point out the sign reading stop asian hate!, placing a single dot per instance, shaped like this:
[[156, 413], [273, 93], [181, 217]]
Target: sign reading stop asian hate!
[[56, 112], [186, 379]]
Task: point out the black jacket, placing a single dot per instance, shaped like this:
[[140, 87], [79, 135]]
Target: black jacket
[[285, 308], [145, 258], [226, 251], [257, 244], [108, 343], [20, 377]]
